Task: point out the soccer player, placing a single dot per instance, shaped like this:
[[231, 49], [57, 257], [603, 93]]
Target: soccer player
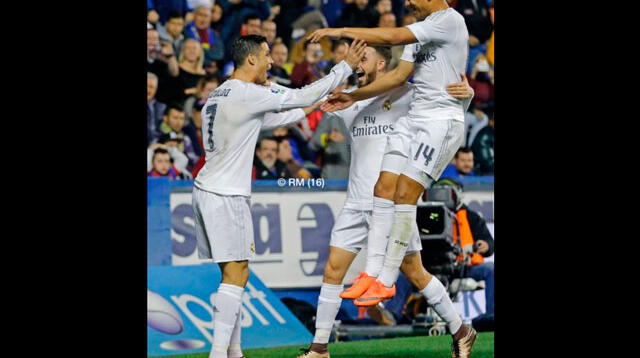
[[369, 122], [436, 50], [232, 118]]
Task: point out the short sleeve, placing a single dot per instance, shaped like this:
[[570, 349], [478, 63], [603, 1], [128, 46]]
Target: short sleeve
[[438, 29], [407, 53]]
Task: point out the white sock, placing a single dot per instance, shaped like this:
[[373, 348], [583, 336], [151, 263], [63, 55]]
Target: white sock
[[234, 350], [225, 314], [381, 221], [403, 225], [328, 305], [438, 298]]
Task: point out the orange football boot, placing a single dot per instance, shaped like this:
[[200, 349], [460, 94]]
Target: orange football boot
[[360, 285], [375, 294]]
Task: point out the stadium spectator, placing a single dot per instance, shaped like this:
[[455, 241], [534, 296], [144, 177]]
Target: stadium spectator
[[211, 42], [475, 120], [191, 66], [461, 166], [155, 109], [268, 30], [358, 14], [171, 31], [160, 9], [290, 11], [408, 19], [216, 18], [173, 123], [339, 51], [273, 161], [252, 25], [482, 147], [193, 104], [299, 148], [235, 16], [490, 44], [160, 56], [162, 62], [162, 166], [383, 7], [481, 80], [388, 19], [279, 54], [476, 16], [329, 142], [308, 70]]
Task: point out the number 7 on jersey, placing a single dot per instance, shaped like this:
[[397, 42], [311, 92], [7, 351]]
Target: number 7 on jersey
[[211, 115]]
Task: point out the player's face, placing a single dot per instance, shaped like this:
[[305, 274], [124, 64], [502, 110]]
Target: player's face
[[175, 120], [368, 66], [268, 152], [264, 62], [162, 163], [464, 162]]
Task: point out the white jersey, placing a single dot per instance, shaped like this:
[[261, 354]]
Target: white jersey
[[369, 122], [231, 121], [439, 58]]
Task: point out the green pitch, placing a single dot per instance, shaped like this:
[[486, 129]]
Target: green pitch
[[410, 347]]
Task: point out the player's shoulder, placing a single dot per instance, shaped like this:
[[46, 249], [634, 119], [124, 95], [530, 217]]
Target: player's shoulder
[[228, 89]]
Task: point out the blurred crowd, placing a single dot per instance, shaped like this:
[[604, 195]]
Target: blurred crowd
[[188, 57]]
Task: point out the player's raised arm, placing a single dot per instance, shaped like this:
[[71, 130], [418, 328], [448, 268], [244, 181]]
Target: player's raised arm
[[393, 79], [373, 36], [275, 120]]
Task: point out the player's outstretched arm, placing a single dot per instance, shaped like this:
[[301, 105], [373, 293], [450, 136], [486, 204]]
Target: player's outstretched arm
[[274, 120], [393, 79], [374, 36], [310, 94]]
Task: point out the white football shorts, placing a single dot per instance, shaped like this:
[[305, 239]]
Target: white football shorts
[[422, 149], [351, 230], [224, 229]]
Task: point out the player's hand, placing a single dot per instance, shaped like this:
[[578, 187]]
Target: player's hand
[[460, 90], [318, 34], [336, 102], [355, 53], [482, 246], [311, 108]]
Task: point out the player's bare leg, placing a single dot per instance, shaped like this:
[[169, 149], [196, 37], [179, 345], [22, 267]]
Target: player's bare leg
[[382, 218], [406, 197], [329, 300], [463, 335], [227, 305]]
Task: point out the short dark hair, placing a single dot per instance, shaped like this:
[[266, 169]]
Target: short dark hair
[[267, 138], [340, 42], [245, 46], [385, 53], [463, 150], [160, 151], [175, 14], [250, 17], [173, 106]]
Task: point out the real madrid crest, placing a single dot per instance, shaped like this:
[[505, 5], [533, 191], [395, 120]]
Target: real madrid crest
[[386, 105]]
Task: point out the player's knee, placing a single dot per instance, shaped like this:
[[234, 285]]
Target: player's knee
[[333, 273], [408, 194], [384, 189]]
